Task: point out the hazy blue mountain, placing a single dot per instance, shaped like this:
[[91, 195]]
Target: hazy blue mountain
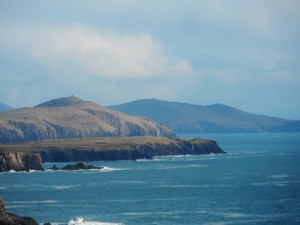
[[186, 118], [4, 107]]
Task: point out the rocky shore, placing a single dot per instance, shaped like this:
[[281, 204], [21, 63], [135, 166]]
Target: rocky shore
[[20, 161], [7, 218], [30, 155]]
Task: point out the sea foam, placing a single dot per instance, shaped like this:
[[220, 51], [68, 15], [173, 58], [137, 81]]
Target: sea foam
[[82, 221], [109, 169]]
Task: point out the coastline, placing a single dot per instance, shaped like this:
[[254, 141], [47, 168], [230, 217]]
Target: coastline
[[26, 156]]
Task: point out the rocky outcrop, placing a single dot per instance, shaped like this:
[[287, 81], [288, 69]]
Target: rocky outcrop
[[20, 161], [77, 166], [7, 218], [30, 155], [132, 152]]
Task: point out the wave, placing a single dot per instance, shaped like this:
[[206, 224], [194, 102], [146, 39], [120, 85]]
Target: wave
[[182, 167], [29, 171], [128, 182], [34, 202], [25, 204], [60, 187], [109, 169], [82, 221], [186, 157], [280, 176], [276, 183], [104, 169]]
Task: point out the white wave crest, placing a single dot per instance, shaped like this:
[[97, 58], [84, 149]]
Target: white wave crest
[[60, 187], [109, 169], [82, 221], [35, 202], [280, 176]]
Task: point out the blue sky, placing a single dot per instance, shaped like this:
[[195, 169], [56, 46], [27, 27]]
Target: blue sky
[[244, 54]]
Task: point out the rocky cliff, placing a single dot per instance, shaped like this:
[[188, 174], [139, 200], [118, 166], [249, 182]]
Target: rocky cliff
[[121, 148], [72, 117], [7, 218], [20, 161]]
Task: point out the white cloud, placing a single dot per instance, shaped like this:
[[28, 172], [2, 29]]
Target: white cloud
[[74, 49]]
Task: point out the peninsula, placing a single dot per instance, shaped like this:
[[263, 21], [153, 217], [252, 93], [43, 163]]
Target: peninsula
[[31, 155]]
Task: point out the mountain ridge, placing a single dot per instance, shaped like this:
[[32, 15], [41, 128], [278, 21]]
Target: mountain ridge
[[71, 117], [5, 107], [215, 118]]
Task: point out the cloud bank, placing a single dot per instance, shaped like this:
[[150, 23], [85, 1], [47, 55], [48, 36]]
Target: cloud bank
[[241, 53], [84, 50]]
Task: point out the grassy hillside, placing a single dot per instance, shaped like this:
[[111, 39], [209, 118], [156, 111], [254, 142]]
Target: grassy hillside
[[73, 118], [187, 118]]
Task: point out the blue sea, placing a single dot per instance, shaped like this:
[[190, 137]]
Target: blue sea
[[257, 182]]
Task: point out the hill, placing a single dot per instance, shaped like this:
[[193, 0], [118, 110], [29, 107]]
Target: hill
[[4, 107], [71, 117], [217, 118]]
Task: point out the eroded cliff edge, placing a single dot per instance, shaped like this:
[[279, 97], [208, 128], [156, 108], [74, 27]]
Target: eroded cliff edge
[[30, 155], [20, 161]]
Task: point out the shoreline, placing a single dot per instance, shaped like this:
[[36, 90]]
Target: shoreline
[[27, 156]]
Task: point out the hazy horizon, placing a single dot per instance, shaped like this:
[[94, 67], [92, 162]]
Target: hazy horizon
[[244, 54]]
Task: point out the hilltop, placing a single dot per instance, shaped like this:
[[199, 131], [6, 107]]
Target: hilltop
[[72, 117], [188, 118]]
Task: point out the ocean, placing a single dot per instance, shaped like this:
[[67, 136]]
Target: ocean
[[257, 182]]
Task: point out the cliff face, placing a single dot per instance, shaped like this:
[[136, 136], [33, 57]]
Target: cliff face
[[7, 218], [20, 161], [73, 118], [117, 148], [132, 151]]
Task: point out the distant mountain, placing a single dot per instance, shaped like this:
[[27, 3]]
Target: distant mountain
[[217, 118], [4, 107], [72, 117]]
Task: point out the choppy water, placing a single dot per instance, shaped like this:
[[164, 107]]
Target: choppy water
[[258, 182]]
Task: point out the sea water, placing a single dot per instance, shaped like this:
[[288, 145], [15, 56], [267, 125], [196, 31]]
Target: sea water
[[257, 182]]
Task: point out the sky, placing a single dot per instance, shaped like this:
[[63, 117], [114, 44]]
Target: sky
[[245, 54]]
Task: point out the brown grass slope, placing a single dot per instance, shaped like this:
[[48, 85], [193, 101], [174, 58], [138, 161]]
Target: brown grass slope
[[72, 117]]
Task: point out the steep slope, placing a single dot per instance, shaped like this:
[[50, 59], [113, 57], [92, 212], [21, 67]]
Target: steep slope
[[187, 118], [73, 118]]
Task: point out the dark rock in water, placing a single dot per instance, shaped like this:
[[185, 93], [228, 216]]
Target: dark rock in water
[[7, 218], [80, 166], [54, 167]]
